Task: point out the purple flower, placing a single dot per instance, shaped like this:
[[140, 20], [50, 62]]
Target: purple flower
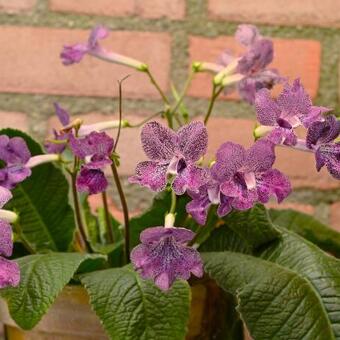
[[96, 149], [208, 195], [172, 153], [292, 108], [163, 256], [252, 64], [74, 53], [15, 154], [9, 270], [246, 176], [64, 118], [320, 138]]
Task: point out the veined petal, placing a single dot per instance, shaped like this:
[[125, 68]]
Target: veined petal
[[198, 209], [193, 141], [247, 34], [150, 174], [154, 234], [6, 243], [230, 157], [159, 142], [91, 181], [5, 196], [267, 110], [260, 157], [273, 182], [9, 273]]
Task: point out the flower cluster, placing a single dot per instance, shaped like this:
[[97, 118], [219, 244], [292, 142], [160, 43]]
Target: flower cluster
[[9, 270], [89, 146]]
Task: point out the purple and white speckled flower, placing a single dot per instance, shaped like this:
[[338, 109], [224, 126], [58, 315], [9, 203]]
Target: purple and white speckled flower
[[72, 54], [164, 256], [321, 139], [95, 149], [15, 154], [172, 153], [251, 65], [291, 109], [9, 270], [246, 176]]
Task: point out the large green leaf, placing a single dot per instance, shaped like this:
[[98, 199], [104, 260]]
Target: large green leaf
[[290, 291], [155, 215], [131, 308], [308, 227], [253, 225], [43, 277], [46, 218]]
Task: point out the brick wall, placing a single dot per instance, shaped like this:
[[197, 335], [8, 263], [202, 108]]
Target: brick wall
[[167, 34]]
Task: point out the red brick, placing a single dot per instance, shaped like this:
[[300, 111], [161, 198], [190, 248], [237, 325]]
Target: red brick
[[293, 58], [278, 12], [173, 9], [14, 6], [30, 63], [15, 120], [98, 7], [298, 166], [335, 216]]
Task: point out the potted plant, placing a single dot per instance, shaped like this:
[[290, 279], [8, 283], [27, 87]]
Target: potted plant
[[207, 258]]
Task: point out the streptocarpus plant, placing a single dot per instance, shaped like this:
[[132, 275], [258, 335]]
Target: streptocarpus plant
[[207, 225]]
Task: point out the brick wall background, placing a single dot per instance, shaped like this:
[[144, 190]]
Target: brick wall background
[[167, 34]]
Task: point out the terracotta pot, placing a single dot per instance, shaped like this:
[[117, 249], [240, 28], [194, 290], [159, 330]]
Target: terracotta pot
[[71, 318]]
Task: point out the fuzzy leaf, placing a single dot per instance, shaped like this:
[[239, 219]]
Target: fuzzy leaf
[[131, 308]]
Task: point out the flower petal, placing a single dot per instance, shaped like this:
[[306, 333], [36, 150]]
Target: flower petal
[[154, 234], [247, 34], [191, 178], [198, 209], [260, 157], [9, 273], [225, 206], [62, 114], [99, 32], [283, 136], [294, 101], [91, 181], [14, 150], [267, 110], [230, 157], [193, 141], [315, 115], [5, 196], [329, 155], [159, 142], [273, 182], [6, 243], [72, 54]]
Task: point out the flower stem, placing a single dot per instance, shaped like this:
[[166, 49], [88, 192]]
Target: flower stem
[[20, 233], [107, 218], [215, 93], [81, 228], [125, 210], [173, 202], [162, 94]]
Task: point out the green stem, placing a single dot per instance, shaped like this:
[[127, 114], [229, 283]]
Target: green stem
[[215, 93], [22, 238], [108, 221], [145, 120], [164, 97], [186, 87], [125, 210], [173, 202], [81, 228]]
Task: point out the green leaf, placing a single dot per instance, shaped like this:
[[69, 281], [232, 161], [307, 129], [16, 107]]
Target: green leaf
[[155, 215], [291, 292], [43, 277], [46, 218], [131, 308], [308, 227], [253, 225]]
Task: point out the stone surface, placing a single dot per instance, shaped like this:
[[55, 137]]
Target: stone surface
[[152, 9], [278, 12], [15, 6], [15, 120], [30, 63], [335, 216], [293, 58]]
